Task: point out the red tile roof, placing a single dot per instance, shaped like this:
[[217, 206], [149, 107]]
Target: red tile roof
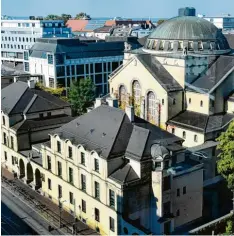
[[77, 25]]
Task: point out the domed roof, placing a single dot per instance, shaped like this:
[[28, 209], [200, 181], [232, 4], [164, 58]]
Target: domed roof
[[186, 28], [187, 35], [158, 151]]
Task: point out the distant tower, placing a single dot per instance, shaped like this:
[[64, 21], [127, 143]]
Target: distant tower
[[187, 11]]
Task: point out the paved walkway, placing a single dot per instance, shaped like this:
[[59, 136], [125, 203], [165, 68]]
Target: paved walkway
[[49, 208]]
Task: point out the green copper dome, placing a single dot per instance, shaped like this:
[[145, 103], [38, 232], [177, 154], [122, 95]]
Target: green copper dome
[[186, 28], [187, 34]]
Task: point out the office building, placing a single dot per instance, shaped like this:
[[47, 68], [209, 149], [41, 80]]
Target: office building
[[226, 22], [20, 35]]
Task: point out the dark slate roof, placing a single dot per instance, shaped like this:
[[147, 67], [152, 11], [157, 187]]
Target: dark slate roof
[[75, 48], [217, 70], [207, 144], [36, 156], [137, 142], [104, 29], [28, 100], [164, 78], [125, 174], [25, 125], [109, 131], [200, 122], [98, 130]]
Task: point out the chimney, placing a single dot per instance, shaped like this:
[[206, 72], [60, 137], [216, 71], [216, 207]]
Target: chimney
[[31, 83], [129, 110], [16, 78], [98, 102], [112, 102]]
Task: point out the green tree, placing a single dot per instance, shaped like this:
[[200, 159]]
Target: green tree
[[81, 15], [52, 17], [229, 227], [225, 164], [81, 95], [65, 17], [160, 21]]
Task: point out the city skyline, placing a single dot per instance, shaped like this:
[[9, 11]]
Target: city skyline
[[115, 8]]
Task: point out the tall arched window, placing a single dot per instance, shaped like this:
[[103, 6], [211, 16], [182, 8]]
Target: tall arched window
[[151, 107], [122, 95], [184, 134], [201, 103], [136, 90]]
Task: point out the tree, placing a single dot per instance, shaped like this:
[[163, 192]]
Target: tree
[[52, 17], [81, 95], [65, 17], [225, 164], [160, 22], [229, 227], [81, 15]]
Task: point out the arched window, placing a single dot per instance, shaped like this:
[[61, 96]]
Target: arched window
[[26, 39], [190, 46], [162, 101], [151, 107], [195, 138], [23, 39], [201, 103], [189, 100], [173, 130], [200, 46], [122, 95], [3, 120], [184, 134], [174, 101], [170, 46], [136, 92]]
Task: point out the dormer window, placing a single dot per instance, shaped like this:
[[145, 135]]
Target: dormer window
[[190, 46], [170, 46], [161, 46], [180, 46], [200, 46], [155, 44], [158, 165]]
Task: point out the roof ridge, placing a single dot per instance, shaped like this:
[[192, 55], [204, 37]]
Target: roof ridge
[[30, 103]]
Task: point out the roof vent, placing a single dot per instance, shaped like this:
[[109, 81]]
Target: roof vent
[[103, 134], [92, 130], [77, 124]]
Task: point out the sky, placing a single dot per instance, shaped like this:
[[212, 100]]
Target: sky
[[112, 8]]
